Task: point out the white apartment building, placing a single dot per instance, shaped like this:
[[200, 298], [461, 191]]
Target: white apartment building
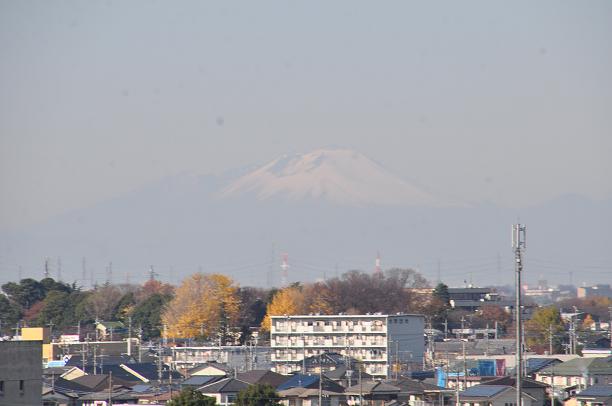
[[377, 340]]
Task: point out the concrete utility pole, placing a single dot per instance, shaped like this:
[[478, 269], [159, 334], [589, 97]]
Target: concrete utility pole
[[550, 339], [320, 381], [129, 348], [519, 245], [610, 325]]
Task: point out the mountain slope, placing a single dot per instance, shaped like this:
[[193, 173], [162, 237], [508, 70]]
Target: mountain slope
[[340, 176]]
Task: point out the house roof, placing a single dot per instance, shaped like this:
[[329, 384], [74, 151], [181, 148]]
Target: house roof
[[92, 382], [213, 364], [262, 376], [578, 366], [488, 391], [299, 381], [536, 364], [484, 391], [309, 381], [414, 386], [116, 395], [111, 324], [596, 391], [200, 380], [511, 381], [64, 385], [340, 373], [373, 387], [227, 385]]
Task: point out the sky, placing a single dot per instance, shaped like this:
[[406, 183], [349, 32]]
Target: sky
[[484, 101]]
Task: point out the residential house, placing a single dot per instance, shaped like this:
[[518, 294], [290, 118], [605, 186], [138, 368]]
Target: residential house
[[596, 395], [200, 380], [224, 391], [52, 396], [493, 395], [372, 393], [106, 330], [304, 390], [578, 373], [538, 390], [262, 377], [414, 392], [210, 369]]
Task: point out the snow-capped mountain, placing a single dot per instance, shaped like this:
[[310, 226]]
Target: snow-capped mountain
[[340, 176]]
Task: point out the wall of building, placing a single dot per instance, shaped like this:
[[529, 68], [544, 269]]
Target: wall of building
[[363, 337], [20, 373]]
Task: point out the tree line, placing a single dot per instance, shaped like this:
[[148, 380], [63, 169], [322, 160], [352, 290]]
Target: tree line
[[214, 308]]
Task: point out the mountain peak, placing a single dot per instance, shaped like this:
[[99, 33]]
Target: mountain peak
[[338, 175]]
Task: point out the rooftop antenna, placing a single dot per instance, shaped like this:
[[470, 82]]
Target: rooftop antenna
[[519, 245], [377, 267], [284, 269]]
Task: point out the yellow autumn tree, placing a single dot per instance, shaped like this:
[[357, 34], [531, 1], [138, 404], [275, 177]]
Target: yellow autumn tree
[[318, 298], [288, 301], [204, 305]]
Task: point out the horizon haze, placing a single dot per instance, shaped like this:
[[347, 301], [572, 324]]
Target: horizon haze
[[188, 135]]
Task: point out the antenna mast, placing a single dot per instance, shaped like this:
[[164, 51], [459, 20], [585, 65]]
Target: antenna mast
[[519, 245], [46, 268], [377, 267], [285, 269]]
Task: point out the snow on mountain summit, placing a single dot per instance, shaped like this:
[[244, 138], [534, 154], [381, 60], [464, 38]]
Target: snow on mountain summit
[[340, 176]]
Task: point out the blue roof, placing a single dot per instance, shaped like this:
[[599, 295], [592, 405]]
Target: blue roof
[[483, 390], [597, 391], [535, 364], [299, 381]]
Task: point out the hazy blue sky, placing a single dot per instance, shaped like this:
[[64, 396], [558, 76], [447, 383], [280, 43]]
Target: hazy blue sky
[[509, 102]]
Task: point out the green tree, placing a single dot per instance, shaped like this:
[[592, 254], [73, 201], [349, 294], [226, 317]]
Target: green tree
[[147, 314], [191, 397], [258, 395], [25, 293], [10, 314], [56, 310], [441, 293]]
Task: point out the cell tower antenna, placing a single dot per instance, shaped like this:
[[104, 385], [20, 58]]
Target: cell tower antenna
[[377, 267], [152, 273], [284, 269], [83, 271], [59, 269], [47, 272], [519, 245], [109, 273]]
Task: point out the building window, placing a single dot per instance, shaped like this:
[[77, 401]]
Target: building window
[[231, 398]]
